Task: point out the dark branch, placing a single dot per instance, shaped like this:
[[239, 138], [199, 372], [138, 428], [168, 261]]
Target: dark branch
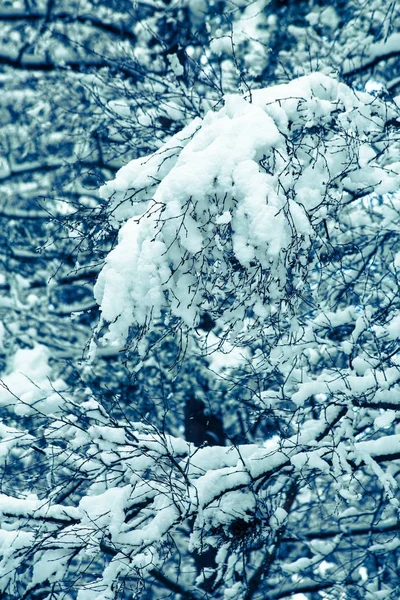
[[119, 29], [300, 588], [349, 531], [372, 63], [25, 169], [39, 63]]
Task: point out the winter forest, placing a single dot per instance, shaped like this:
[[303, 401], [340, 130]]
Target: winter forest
[[200, 299]]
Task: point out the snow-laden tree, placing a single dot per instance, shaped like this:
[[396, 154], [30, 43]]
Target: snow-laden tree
[[277, 217], [254, 282]]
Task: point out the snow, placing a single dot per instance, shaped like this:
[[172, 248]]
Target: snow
[[115, 435], [141, 175], [300, 564], [234, 592], [106, 509], [176, 66], [310, 460], [215, 457], [37, 508], [213, 484], [231, 200], [346, 383], [393, 328], [120, 107], [389, 546], [10, 437], [224, 219], [384, 446], [233, 168], [51, 566], [27, 384], [390, 45], [278, 518], [326, 16], [137, 269], [239, 220], [14, 540], [385, 420], [324, 547]]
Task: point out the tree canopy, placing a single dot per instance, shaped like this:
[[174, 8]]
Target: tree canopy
[[201, 373]]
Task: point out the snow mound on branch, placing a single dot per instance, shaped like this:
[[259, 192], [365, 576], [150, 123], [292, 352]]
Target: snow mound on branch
[[223, 217], [27, 385]]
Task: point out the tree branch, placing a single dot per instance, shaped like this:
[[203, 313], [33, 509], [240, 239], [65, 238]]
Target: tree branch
[[40, 63], [119, 29], [38, 167], [307, 585], [349, 531], [265, 566], [370, 64]]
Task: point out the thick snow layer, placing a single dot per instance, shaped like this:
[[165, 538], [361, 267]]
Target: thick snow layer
[[227, 208], [26, 507]]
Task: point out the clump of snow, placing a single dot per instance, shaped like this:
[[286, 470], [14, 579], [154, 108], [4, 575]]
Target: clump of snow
[[278, 518], [14, 540], [106, 509], [175, 65], [120, 107], [27, 383], [222, 217]]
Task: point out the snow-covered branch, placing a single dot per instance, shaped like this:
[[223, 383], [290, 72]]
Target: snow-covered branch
[[120, 28], [222, 419]]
